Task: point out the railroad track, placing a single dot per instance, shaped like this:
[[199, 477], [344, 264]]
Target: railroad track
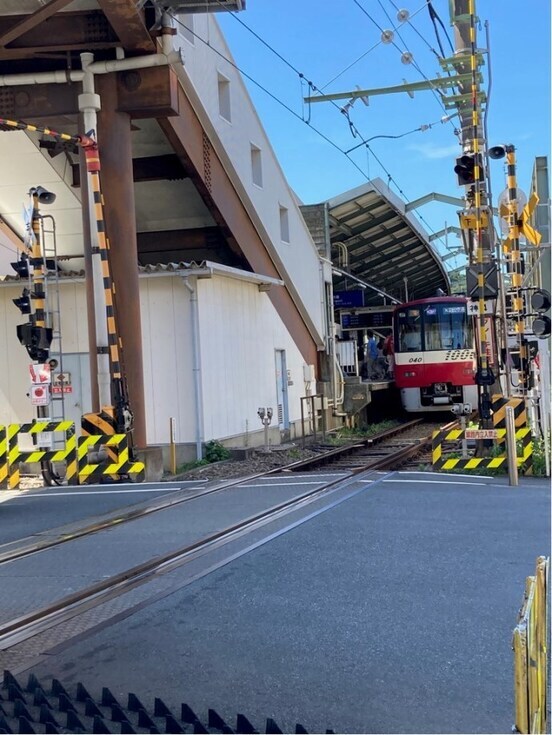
[[376, 453], [386, 450]]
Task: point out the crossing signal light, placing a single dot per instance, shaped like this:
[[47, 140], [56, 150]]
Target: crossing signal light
[[21, 267], [37, 340], [465, 168], [540, 302], [23, 303]]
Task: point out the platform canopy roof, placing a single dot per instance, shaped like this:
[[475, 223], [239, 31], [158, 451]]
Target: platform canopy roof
[[376, 241]]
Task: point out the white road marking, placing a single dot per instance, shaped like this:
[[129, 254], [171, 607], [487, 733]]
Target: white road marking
[[436, 482], [77, 492], [284, 484], [416, 472], [293, 474]]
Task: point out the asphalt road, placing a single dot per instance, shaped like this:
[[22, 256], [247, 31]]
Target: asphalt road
[[390, 613], [27, 512]]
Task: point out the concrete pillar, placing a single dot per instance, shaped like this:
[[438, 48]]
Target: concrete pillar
[[114, 139]]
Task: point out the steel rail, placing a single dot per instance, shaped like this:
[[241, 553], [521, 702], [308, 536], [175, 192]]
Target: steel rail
[[28, 545], [31, 624], [351, 448]]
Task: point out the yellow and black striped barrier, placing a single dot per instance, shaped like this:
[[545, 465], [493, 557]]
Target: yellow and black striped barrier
[[530, 654], [15, 455], [441, 462], [112, 469], [499, 404], [3, 458]]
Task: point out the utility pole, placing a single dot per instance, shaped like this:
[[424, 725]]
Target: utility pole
[[476, 218]]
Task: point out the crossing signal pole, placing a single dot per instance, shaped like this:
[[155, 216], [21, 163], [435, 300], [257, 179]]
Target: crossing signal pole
[[518, 299], [476, 218], [34, 335]]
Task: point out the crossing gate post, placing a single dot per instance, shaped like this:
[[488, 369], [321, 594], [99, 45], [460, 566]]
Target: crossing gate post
[[3, 458], [531, 654], [114, 466], [512, 448], [15, 455]]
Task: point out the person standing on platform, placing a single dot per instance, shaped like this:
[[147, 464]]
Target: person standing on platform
[[371, 354], [389, 352]]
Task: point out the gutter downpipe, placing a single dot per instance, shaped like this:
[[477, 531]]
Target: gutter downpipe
[[198, 402], [89, 105]]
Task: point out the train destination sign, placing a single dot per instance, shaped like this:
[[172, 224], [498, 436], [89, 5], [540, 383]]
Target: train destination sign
[[368, 317]]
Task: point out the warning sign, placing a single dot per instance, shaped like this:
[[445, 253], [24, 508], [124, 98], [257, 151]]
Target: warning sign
[[40, 395], [62, 383], [40, 374], [481, 434]]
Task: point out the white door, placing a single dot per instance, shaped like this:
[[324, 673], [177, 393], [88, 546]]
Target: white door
[[282, 408], [75, 386]]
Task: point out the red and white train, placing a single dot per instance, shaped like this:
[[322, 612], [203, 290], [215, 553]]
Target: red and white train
[[435, 360]]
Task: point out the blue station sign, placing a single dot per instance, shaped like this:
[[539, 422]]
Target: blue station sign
[[348, 299]]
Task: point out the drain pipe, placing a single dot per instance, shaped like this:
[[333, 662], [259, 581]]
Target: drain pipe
[[167, 56], [89, 105], [197, 363], [96, 67]]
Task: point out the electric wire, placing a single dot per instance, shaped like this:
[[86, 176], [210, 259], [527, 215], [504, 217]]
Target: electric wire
[[270, 94], [435, 16], [354, 130], [409, 21], [437, 93], [362, 56]]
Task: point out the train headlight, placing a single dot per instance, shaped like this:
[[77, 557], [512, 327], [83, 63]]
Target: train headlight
[[410, 374]]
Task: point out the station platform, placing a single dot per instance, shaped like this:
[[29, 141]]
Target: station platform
[[390, 610]]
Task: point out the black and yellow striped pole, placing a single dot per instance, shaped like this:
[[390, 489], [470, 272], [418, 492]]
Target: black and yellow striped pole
[[485, 378], [115, 415], [475, 220], [512, 253], [518, 225], [116, 418]]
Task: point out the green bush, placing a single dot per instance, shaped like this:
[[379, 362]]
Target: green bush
[[191, 465], [215, 452], [346, 434], [538, 457]]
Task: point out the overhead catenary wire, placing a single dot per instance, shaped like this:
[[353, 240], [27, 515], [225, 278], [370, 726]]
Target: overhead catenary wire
[[411, 24], [292, 112], [268, 92], [437, 93]]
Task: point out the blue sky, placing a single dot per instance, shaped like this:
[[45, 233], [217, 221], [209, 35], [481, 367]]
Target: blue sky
[[320, 39]]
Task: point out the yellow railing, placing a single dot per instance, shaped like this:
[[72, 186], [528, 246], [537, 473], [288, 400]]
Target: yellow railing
[[530, 654]]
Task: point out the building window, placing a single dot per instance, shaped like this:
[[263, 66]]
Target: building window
[[187, 27], [284, 224], [256, 165], [224, 97]]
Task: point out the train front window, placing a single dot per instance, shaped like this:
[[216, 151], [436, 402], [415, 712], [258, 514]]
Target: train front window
[[408, 335], [446, 327]]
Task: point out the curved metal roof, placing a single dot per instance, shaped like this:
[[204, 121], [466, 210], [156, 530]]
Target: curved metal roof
[[383, 244]]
